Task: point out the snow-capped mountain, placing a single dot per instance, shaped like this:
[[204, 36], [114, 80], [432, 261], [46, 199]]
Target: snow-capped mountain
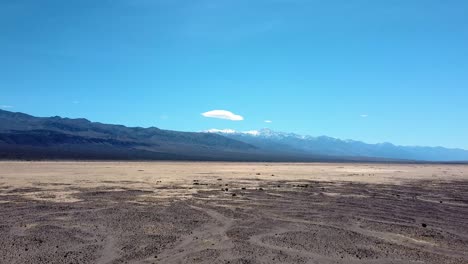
[[270, 140], [265, 132], [232, 131]]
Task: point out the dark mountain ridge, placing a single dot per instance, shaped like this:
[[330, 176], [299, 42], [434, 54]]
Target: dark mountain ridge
[[24, 136], [51, 136]]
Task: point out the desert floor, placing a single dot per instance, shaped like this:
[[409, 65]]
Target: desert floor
[[181, 212]]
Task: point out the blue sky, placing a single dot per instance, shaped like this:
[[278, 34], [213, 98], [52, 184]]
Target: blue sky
[[376, 71]]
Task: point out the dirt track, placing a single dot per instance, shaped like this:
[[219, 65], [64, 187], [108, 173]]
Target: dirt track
[[98, 212]]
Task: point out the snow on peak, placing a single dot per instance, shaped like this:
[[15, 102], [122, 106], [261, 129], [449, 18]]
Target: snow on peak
[[232, 131], [265, 132], [252, 132], [222, 131], [268, 133]]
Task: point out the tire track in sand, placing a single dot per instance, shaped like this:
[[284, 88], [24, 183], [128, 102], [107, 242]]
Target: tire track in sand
[[209, 236]]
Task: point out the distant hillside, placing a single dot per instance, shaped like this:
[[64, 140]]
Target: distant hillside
[[323, 145], [24, 136]]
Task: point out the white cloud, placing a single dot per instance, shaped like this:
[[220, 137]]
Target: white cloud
[[6, 106], [268, 121], [223, 114], [364, 115]]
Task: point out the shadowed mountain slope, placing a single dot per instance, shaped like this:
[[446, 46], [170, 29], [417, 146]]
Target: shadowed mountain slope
[[24, 136]]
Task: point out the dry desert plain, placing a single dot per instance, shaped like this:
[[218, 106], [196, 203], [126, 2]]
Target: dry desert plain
[[214, 212]]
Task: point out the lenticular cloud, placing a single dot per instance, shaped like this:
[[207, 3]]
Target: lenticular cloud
[[223, 114]]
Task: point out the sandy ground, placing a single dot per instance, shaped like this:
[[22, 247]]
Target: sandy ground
[[163, 212]]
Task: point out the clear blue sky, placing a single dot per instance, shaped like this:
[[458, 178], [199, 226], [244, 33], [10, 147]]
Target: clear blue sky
[[393, 70]]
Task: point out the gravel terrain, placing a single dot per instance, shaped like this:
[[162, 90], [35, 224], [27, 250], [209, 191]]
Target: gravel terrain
[[188, 212]]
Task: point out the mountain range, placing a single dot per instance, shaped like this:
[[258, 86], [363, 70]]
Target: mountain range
[[323, 145], [27, 137]]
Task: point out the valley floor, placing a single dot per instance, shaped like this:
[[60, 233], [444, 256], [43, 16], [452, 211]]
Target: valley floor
[[189, 212]]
